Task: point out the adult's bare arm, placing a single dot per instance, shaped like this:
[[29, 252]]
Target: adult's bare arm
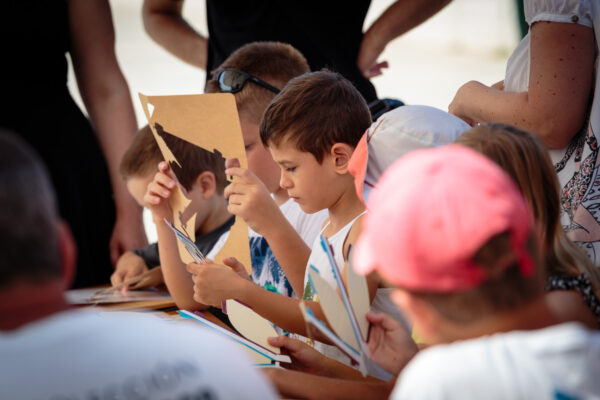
[[164, 23], [396, 20], [560, 80], [106, 96]]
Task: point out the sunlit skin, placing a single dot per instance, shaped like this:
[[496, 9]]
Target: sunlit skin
[[260, 161], [136, 185], [205, 220], [305, 178]]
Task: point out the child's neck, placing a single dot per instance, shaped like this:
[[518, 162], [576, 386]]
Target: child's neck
[[215, 218], [23, 303], [532, 316], [347, 207]]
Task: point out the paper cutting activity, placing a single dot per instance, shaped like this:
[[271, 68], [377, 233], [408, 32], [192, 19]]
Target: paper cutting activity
[[272, 203]]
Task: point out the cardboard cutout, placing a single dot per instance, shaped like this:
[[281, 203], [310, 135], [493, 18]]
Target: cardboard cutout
[[209, 121]]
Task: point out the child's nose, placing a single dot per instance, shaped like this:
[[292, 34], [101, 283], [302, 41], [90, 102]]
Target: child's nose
[[285, 182]]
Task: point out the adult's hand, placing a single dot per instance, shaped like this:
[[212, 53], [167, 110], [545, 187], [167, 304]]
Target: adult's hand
[[128, 233], [164, 23]]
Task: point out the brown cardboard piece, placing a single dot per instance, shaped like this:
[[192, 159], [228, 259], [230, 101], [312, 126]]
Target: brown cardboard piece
[[209, 121], [334, 309], [251, 325], [358, 292]]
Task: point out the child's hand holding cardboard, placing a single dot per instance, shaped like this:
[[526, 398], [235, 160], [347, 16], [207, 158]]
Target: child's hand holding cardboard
[[214, 283], [250, 199], [158, 193]]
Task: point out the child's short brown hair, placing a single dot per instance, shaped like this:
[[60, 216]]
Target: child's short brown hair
[[143, 156], [315, 111], [273, 62]]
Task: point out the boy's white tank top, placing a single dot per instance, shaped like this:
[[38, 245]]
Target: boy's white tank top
[[319, 259]]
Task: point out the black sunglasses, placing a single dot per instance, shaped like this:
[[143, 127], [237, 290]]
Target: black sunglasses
[[233, 80]]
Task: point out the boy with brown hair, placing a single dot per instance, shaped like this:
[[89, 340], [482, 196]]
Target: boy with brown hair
[[202, 175], [312, 149]]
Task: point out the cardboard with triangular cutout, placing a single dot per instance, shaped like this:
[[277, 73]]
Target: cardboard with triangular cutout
[[209, 121]]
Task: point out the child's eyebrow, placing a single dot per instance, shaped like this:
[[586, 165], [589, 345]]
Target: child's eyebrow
[[283, 162]]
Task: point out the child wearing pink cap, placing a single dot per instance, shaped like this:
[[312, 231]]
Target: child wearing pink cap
[[459, 244]]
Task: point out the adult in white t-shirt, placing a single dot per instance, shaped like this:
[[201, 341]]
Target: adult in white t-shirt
[[559, 362], [49, 351], [84, 355]]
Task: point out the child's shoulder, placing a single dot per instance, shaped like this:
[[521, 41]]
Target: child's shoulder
[[354, 232], [357, 224]]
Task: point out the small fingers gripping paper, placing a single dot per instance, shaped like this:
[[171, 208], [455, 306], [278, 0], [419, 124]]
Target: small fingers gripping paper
[[211, 122]]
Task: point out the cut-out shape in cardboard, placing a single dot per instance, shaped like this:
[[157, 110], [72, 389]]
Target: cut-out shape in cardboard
[[209, 121]]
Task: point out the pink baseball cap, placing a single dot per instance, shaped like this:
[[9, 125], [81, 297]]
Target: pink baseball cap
[[431, 212]]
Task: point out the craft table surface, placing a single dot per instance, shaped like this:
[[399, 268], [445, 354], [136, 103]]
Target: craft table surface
[[165, 307]]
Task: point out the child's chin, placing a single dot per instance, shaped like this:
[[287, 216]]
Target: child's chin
[[307, 208]]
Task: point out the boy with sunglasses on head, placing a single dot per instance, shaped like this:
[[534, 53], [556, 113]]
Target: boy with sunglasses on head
[[281, 230]]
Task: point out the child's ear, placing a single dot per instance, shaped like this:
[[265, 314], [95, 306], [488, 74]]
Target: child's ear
[[340, 155], [207, 183]]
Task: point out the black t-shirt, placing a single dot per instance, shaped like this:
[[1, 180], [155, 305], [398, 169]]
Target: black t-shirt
[[328, 33], [205, 243]]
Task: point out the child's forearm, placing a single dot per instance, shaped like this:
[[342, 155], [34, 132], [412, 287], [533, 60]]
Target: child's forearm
[[295, 384], [281, 310], [177, 278]]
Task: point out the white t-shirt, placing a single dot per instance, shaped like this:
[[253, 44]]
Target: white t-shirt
[[87, 355], [576, 165], [559, 362], [308, 226]]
